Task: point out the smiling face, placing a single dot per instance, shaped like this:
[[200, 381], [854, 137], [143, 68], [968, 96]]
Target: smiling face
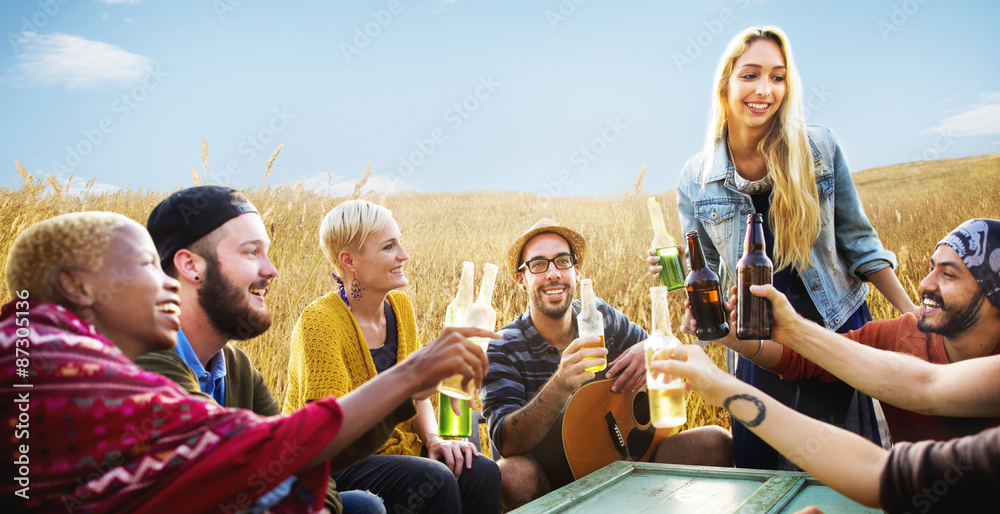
[[551, 292], [379, 265], [756, 86], [237, 277], [953, 302], [137, 306]]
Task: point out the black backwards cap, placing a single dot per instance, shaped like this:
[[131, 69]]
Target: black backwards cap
[[188, 215]]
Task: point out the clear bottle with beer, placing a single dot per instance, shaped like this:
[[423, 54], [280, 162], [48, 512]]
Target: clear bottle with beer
[[667, 405], [483, 314], [590, 321], [754, 316], [463, 312], [463, 300], [672, 274], [704, 294], [457, 315]]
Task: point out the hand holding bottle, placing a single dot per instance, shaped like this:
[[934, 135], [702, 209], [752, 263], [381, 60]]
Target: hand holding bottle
[[590, 321], [669, 255], [463, 312], [574, 365], [667, 405], [754, 316], [704, 294]]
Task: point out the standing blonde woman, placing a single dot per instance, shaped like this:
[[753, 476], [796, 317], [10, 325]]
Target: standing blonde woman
[[362, 329], [759, 156]]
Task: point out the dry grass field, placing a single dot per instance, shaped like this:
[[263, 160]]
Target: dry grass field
[[911, 205]]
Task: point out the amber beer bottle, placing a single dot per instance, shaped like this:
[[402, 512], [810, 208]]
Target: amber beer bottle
[[753, 312], [703, 292]]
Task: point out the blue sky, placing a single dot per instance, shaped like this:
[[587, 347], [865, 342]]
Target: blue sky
[[558, 97]]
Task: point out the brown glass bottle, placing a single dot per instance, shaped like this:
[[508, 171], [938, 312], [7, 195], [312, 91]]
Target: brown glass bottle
[[703, 292], [754, 316]]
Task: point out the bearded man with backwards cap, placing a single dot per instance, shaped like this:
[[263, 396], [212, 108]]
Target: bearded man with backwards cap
[[959, 320], [213, 240], [538, 365]]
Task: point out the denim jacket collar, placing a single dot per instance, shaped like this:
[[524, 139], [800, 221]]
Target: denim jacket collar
[[723, 169]]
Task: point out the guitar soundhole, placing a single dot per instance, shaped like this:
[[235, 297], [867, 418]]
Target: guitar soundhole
[[640, 408]]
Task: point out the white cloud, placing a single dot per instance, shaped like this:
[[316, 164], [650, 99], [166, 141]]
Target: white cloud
[[129, 20], [74, 62], [979, 120], [324, 183], [77, 186]]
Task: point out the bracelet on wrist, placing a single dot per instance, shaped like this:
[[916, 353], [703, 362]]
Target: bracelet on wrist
[[760, 348]]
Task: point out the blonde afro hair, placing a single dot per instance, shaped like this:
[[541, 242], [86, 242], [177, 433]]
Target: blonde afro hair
[[75, 241]]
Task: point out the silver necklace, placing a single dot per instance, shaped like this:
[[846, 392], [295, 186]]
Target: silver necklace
[[750, 187]]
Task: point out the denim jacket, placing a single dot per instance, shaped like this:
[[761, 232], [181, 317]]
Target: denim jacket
[[846, 249]]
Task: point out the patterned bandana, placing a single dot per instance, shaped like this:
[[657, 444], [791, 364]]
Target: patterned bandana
[[977, 242]]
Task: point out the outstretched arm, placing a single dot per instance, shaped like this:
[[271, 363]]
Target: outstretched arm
[[451, 353], [840, 459], [899, 379]]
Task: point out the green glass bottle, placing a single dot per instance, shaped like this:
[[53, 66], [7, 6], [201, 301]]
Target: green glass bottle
[[450, 424], [672, 274]]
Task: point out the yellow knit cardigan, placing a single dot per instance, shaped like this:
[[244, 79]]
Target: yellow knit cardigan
[[329, 356]]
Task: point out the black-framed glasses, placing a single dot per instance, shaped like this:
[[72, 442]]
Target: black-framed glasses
[[540, 265]]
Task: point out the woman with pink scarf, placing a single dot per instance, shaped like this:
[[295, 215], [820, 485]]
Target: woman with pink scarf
[[91, 432]]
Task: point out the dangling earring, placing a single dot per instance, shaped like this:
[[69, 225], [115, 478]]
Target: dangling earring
[[356, 288]]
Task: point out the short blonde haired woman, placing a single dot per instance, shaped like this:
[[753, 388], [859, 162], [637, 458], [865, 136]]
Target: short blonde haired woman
[[361, 329], [759, 156]]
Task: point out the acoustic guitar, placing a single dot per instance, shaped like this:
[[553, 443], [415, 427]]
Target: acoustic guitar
[[597, 428]]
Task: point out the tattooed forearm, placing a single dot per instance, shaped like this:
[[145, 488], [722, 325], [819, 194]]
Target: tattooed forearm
[[528, 425], [759, 405]]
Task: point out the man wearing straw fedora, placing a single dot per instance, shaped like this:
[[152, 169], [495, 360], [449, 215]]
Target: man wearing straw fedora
[[538, 365]]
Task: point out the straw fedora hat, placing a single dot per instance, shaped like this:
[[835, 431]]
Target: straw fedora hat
[[576, 243]]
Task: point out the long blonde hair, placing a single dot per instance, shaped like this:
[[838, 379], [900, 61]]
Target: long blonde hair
[[794, 215]]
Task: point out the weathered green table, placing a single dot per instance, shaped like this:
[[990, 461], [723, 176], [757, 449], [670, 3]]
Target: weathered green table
[[643, 487]]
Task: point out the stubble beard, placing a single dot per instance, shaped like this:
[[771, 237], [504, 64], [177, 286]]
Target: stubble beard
[[557, 311]]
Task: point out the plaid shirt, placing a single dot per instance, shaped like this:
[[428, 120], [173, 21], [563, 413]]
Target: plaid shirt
[[522, 361]]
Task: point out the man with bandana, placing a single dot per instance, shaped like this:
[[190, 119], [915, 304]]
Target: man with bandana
[[959, 320]]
